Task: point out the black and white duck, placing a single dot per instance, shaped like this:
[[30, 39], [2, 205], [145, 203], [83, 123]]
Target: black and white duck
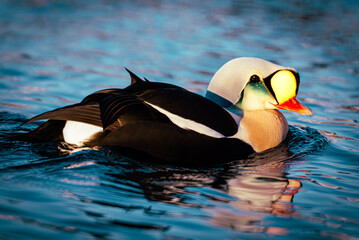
[[238, 116]]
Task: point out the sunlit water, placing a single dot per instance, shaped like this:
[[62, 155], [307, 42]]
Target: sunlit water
[[54, 53]]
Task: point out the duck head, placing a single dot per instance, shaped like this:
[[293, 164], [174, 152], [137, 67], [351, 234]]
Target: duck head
[[256, 84]]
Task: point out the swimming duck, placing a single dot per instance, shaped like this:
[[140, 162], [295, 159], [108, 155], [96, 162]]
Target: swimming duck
[[168, 123]]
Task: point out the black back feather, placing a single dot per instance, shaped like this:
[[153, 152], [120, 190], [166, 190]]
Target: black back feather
[[134, 78]]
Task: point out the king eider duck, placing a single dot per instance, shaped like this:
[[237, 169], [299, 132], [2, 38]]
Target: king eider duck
[[168, 123]]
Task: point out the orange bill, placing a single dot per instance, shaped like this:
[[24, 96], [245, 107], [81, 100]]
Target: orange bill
[[295, 106]]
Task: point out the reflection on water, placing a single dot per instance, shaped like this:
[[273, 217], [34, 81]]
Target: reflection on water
[[249, 189], [263, 189], [53, 53]]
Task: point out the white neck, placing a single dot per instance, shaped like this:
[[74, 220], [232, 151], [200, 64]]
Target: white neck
[[262, 129]]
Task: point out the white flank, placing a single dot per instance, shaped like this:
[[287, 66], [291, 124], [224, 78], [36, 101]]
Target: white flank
[[187, 123], [78, 132]]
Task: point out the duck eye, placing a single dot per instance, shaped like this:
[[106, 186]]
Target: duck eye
[[255, 78]]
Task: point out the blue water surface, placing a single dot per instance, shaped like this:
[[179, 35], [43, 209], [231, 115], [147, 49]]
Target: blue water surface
[[55, 52]]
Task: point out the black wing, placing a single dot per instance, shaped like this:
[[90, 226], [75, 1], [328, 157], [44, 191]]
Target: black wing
[[121, 106], [126, 109], [188, 105], [174, 99]]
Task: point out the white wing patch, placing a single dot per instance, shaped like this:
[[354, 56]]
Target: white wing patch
[[77, 132], [187, 123]]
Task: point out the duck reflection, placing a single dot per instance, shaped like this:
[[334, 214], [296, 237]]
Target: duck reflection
[[260, 189], [238, 195], [263, 192]]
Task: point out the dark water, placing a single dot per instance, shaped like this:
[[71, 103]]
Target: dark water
[[53, 53]]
